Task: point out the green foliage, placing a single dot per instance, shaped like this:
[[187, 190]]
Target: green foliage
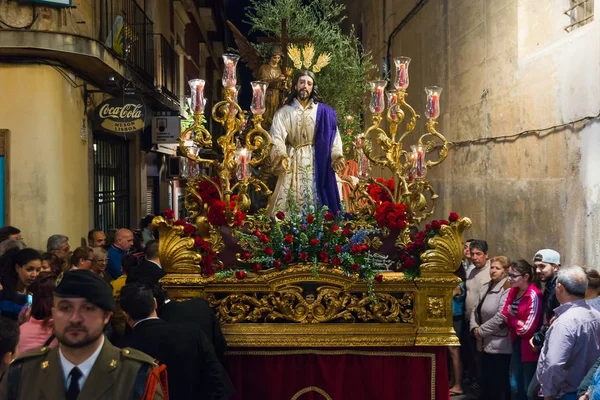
[[344, 82]]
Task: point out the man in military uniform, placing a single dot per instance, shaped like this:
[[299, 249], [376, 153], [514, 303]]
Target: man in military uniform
[[84, 365]]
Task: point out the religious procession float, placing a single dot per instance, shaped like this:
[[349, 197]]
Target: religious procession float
[[291, 269]]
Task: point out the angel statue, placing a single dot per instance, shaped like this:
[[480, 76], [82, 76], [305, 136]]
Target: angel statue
[[268, 71]]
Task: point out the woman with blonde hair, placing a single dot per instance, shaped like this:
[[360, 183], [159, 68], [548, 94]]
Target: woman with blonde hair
[[491, 333]]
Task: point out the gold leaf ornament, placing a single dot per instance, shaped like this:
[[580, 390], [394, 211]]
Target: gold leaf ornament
[[295, 56], [308, 53]]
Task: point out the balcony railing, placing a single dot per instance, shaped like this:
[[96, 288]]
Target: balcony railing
[[128, 32], [167, 67]]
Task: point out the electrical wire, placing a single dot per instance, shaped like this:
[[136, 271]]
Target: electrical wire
[[34, 17], [516, 136]]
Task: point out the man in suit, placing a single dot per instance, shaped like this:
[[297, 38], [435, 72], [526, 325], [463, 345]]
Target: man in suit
[[84, 364], [194, 370], [197, 311], [148, 270]]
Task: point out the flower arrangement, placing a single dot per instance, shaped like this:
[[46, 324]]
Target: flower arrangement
[[388, 214], [209, 193], [210, 258], [410, 256], [311, 234]]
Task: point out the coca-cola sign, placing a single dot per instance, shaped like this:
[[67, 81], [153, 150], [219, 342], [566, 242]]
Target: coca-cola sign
[[121, 115]]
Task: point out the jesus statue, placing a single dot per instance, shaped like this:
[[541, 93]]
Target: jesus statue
[[307, 149]]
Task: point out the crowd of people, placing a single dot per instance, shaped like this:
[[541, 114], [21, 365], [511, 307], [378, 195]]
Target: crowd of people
[[528, 330], [64, 312]]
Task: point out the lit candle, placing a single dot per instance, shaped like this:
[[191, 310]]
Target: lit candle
[[413, 165], [258, 97], [243, 164], [432, 108], [197, 95], [393, 101], [420, 162], [378, 100], [401, 72]]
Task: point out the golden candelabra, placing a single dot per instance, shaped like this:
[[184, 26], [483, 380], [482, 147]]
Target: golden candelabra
[[236, 162], [407, 164]]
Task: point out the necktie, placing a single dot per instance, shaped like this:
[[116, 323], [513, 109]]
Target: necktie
[[73, 390]]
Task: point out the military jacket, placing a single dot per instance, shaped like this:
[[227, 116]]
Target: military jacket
[[117, 374]]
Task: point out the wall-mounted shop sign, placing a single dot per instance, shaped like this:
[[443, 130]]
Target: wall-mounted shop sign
[[59, 3], [120, 115]]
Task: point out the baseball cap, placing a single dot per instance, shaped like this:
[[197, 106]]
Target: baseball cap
[[547, 256]]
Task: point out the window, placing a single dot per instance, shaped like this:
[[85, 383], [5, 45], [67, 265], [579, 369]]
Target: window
[[580, 13]]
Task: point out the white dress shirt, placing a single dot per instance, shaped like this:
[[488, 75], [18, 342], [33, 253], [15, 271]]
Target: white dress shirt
[[85, 367]]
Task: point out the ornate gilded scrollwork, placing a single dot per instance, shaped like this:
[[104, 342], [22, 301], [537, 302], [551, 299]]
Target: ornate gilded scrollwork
[[177, 253], [330, 304], [446, 250], [436, 308]]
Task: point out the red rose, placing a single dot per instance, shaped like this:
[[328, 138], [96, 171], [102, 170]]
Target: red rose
[[355, 267], [256, 267], [329, 216], [453, 217], [379, 278], [346, 232], [288, 257], [303, 256], [288, 239], [169, 214], [356, 248], [336, 261], [338, 248], [264, 238], [189, 229], [324, 256], [247, 256], [216, 213], [268, 251], [239, 218], [408, 263], [444, 222], [201, 244], [241, 274], [335, 228], [436, 225], [314, 242], [208, 261], [427, 227], [180, 222], [310, 218], [276, 264], [280, 215]]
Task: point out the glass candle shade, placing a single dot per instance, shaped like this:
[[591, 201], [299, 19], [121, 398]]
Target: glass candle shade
[[392, 99], [229, 75], [197, 95], [401, 79], [432, 108], [259, 89], [361, 158], [243, 164], [377, 97], [233, 110], [418, 159]]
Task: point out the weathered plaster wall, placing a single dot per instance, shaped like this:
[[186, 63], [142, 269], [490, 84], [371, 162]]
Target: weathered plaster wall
[[507, 66], [48, 161]]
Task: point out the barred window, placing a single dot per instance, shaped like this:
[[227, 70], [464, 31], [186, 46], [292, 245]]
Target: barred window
[[580, 13]]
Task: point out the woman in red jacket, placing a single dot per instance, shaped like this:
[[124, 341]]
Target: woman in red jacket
[[523, 315]]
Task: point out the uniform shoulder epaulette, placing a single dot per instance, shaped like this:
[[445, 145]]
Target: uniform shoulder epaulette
[[134, 354], [32, 354]]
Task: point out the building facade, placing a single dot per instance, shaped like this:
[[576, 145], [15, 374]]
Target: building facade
[[62, 172]]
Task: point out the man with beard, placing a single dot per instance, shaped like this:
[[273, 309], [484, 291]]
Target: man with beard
[[84, 364], [307, 149]]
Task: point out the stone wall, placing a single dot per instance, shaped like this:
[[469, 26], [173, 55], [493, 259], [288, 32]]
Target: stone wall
[[506, 66]]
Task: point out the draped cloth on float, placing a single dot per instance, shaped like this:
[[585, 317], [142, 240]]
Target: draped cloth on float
[[309, 138], [411, 373]]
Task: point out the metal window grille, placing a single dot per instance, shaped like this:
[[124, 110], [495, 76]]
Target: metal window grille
[[128, 32], [111, 182], [580, 12], [168, 67]]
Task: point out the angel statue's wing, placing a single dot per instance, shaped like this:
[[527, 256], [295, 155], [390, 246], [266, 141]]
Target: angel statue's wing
[[248, 53]]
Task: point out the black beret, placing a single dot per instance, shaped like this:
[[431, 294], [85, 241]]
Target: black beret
[[87, 285]]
